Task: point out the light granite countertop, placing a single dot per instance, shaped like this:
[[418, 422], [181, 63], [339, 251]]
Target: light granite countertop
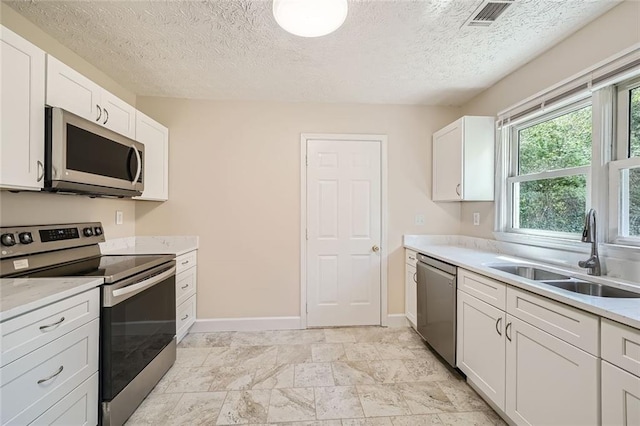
[[176, 245], [21, 295], [625, 311]]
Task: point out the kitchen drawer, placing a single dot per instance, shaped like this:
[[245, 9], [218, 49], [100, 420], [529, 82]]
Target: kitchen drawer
[[411, 257], [80, 407], [25, 333], [186, 261], [59, 366], [621, 346], [185, 317], [572, 325], [486, 289], [185, 285]]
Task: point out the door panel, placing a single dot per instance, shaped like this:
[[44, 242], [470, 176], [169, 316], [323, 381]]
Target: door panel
[[344, 224], [620, 397], [481, 351], [549, 381]]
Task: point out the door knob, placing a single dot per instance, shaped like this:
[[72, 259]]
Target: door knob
[[375, 249]]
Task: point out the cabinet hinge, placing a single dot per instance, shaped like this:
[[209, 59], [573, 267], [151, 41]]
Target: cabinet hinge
[[306, 159], [306, 232], [307, 307]]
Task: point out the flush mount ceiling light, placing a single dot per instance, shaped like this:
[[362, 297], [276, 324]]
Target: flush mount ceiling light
[[310, 18]]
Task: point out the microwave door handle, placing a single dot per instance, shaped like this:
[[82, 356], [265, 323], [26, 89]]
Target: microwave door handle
[[135, 179]]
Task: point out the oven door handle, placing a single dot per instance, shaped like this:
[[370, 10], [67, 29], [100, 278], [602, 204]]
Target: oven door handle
[[114, 296]]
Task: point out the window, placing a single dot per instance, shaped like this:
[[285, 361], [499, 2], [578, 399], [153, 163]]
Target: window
[[549, 179], [625, 167]]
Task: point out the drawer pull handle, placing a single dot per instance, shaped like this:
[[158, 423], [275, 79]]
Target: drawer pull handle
[[45, 328], [41, 381], [506, 331], [498, 322], [184, 286], [184, 318], [185, 262]]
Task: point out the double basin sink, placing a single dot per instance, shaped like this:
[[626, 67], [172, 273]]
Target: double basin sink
[[565, 282]]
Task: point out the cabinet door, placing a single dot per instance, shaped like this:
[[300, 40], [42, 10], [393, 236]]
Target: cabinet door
[[620, 397], [549, 381], [447, 163], [118, 115], [411, 296], [21, 113], [155, 138], [70, 90], [481, 346]]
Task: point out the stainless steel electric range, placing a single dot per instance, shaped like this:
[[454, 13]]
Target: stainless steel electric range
[[138, 311]]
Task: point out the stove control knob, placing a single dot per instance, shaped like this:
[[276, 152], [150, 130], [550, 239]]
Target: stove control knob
[[97, 230], [88, 232], [8, 240], [25, 237]]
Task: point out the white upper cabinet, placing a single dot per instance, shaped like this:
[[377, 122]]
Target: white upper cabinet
[[463, 160], [22, 75], [155, 138], [118, 115], [72, 91]]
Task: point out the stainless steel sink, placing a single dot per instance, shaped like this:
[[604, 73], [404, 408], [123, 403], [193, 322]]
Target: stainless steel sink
[[530, 272], [592, 289]]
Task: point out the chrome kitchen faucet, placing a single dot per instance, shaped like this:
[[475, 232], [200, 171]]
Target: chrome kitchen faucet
[[590, 235]]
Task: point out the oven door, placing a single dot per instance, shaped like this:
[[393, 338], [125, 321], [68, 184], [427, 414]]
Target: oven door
[[138, 320], [86, 157]]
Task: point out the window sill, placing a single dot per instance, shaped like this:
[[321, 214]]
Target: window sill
[[575, 246]]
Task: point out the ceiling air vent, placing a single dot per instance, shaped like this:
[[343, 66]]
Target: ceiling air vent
[[487, 13]]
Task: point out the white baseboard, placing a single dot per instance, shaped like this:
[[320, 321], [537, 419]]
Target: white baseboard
[[397, 320], [245, 324]]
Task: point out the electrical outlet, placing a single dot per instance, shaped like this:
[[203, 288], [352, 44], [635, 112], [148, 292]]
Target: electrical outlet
[[119, 217], [476, 219], [420, 219]]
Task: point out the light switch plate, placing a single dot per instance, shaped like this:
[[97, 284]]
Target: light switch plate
[[476, 218], [119, 217]]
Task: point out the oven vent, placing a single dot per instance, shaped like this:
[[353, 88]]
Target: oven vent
[[487, 13]]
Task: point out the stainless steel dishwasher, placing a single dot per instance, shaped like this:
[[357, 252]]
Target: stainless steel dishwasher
[[437, 306]]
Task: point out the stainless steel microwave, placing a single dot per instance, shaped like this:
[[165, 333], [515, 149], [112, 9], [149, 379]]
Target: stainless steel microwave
[[86, 158]]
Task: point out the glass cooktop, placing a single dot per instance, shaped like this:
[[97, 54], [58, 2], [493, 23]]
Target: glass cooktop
[[112, 268]]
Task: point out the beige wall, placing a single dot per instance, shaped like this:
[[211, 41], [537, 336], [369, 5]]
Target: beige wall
[[27, 208], [235, 182], [613, 32]]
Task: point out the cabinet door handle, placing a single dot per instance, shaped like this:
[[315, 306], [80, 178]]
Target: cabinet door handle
[[45, 328], [40, 170], [415, 277], [506, 331], [498, 326], [46, 379], [106, 113], [99, 112], [458, 190], [185, 262], [184, 318], [184, 286]]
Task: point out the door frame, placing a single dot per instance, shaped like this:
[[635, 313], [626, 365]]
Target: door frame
[[382, 139]]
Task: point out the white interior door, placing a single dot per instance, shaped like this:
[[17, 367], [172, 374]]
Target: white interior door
[[343, 232]]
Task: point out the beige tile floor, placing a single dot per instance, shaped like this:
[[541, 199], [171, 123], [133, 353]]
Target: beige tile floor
[[361, 376]]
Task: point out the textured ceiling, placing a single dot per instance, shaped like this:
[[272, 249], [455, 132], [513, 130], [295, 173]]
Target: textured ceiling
[[396, 52]]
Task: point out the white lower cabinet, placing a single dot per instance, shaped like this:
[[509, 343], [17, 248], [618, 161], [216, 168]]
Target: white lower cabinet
[[620, 397], [481, 346], [549, 381], [411, 294], [186, 290], [537, 361]]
